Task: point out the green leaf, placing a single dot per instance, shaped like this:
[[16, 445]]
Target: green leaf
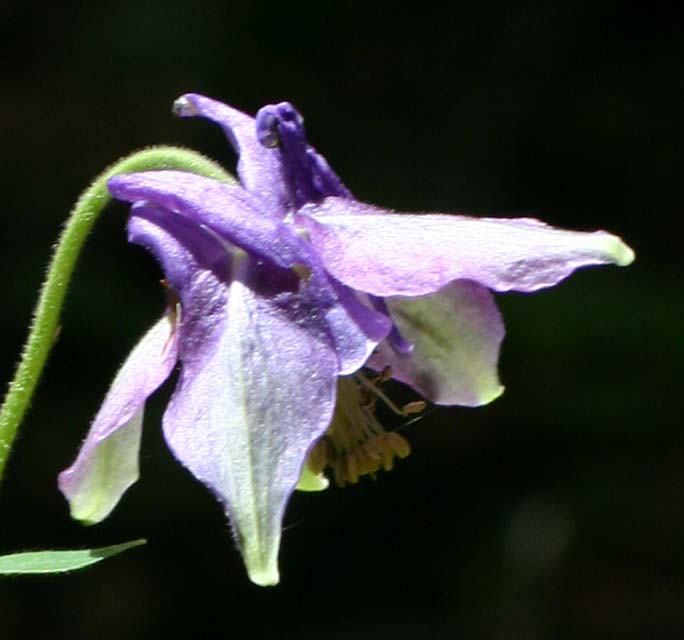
[[38, 562]]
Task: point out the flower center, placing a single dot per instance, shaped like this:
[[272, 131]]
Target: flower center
[[355, 443]]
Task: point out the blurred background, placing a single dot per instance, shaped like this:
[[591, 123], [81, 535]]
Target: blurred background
[[556, 512]]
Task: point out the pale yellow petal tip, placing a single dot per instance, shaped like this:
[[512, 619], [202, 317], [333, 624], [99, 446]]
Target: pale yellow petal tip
[[616, 250], [260, 556], [491, 395], [486, 394], [89, 512], [624, 255], [310, 481], [264, 576]]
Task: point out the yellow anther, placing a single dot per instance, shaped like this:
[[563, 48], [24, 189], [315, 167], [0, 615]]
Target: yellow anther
[[367, 464], [387, 459], [414, 407], [373, 447], [352, 468], [340, 472], [397, 444], [355, 443]]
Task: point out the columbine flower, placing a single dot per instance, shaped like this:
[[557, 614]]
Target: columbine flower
[[281, 289]]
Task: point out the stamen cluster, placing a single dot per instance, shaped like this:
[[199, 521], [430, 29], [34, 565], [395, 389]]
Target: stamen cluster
[[356, 444]]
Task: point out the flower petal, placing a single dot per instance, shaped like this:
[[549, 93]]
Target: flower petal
[[236, 215], [259, 168], [183, 247], [456, 334], [306, 174], [384, 253], [107, 463], [257, 384], [355, 329], [257, 388], [310, 481]]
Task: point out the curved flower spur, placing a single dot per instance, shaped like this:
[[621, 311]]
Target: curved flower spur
[[283, 288]]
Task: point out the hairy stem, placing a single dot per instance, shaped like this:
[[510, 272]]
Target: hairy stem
[[46, 316]]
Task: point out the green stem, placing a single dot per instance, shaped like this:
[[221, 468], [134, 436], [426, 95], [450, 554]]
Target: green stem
[[46, 317]]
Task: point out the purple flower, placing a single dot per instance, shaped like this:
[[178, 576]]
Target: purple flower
[[282, 288]]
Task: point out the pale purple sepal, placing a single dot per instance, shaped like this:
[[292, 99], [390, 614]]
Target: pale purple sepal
[[386, 253], [246, 411], [257, 384], [236, 215], [456, 334], [107, 463], [259, 168]]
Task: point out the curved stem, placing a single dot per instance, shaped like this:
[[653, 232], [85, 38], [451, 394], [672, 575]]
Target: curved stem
[[46, 316]]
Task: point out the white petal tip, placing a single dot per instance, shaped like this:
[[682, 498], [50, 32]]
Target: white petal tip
[[183, 108]]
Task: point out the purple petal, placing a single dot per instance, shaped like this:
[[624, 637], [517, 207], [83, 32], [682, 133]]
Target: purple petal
[[107, 463], [257, 389], [185, 250], [355, 329], [183, 246], [385, 253], [259, 168], [456, 334], [395, 339], [230, 211], [306, 174]]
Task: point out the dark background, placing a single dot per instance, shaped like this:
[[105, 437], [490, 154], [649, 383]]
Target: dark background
[[556, 512]]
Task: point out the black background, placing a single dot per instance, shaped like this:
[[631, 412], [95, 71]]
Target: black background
[[556, 512]]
